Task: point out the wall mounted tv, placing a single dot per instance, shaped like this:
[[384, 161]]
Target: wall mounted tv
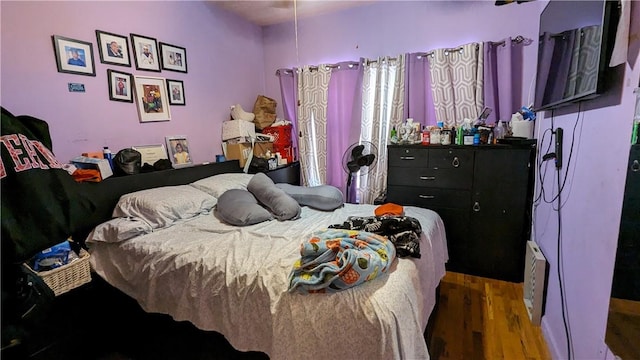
[[575, 44]]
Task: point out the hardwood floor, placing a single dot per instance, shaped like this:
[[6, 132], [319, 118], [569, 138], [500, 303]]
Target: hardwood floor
[[480, 318]]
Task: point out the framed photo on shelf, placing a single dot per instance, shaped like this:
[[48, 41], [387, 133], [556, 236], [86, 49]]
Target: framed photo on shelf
[[73, 56], [173, 57], [120, 86], [175, 89], [151, 153], [152, 98], [145, 52], [113, 48], [178, 149]]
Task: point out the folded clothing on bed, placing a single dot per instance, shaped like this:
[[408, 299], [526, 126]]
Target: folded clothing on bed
[[336, 259], [403, 231]]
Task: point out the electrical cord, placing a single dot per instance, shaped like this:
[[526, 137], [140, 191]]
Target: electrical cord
[[563, 300]]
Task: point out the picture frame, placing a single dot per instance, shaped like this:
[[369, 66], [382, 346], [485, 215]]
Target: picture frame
[[120, 86], [145, 52], [113, 48], [151, 153], [177, 147], [152, 98], [73, 56], [173, 58], [175, 91]]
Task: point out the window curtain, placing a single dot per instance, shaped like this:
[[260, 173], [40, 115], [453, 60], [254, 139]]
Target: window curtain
[[457, 82], [288, 80], [502, 78], [343, 119], [418, 96], [383, 96], [312, 88]]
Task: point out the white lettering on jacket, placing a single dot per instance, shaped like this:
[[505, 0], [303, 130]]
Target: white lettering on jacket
[[27, 154]]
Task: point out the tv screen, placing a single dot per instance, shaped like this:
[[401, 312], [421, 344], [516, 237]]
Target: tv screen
[[575, 44]]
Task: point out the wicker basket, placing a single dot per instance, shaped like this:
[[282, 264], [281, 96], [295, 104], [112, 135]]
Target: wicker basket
[[69, 276]]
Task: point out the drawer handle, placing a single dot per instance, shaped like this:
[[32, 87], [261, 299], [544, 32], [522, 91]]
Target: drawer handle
[[455, 162], [427, 196], [636, 166], [476, 206], [427, 177], [407, 158]]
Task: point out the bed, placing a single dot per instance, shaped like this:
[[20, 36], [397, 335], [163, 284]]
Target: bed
[[234, 280]]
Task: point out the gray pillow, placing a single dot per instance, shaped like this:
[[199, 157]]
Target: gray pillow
[[322, 197], [283, 206], [239, 207]]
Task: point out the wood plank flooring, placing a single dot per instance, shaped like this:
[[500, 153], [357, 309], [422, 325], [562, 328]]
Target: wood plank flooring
[[480, 318]]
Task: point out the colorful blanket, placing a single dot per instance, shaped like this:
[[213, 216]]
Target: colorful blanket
[[337, 259]]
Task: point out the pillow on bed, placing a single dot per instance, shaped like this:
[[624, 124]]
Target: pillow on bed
[[239, 207], [119, 229], [162, 206], [283, 206], [322, 197], [216, 185]]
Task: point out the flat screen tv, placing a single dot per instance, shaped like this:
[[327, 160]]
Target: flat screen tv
[[575, 44]]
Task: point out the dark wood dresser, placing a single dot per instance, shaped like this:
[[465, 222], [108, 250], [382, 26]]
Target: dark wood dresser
[[483, 194]]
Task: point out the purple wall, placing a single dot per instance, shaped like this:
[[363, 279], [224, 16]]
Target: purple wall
[[224, 56], [593, 194]]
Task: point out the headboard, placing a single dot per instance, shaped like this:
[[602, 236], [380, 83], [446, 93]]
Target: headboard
[[105, 194]]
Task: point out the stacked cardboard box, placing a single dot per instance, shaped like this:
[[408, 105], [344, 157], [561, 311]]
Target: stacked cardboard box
[[282, 140], [241, 150]]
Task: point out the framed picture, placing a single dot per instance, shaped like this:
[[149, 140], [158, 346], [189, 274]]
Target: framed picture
[[73, 56], [145, 52], [151, 153], [175, 89], [152, 99], [120, 86], [113, 48], [173, 57], [178, 148]]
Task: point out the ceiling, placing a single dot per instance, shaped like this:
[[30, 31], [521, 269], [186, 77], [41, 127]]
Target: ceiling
[[269, 12]]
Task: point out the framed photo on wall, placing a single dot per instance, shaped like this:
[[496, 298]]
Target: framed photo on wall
[[113, 48], [152, 98], [178, 149], [175, 89], [145, 52], [73, 56], [173, 57], [120, 86]]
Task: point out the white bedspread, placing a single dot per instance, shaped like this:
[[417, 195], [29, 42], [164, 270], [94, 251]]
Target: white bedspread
[[233, 280]]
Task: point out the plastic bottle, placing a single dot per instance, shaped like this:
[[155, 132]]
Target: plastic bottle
[[498, 132], [394, 135], [426, 137], [107, 154]]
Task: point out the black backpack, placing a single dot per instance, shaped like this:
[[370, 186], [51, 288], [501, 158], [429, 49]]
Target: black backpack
[[127, 162]]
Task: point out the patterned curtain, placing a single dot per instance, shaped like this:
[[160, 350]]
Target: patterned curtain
[[457, 83], [313, 86], [383, 96]]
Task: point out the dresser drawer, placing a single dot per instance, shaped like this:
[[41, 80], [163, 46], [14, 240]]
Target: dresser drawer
[[429, 197], [454, 178], [408, 157], [451, 159]]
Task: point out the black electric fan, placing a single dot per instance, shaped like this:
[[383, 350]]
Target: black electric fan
[[358, 158]]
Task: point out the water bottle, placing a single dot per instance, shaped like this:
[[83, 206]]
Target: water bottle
[[108, 155]]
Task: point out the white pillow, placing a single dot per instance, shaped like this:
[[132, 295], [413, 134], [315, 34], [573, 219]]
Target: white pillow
[[119, 229], [161, 207], [216, 185]]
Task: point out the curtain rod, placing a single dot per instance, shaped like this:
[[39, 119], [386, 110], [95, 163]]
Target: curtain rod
[[350, 64], [518, 39]]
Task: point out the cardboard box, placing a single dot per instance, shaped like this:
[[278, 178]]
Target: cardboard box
[[102, 165], [238, 128], [241, 151]]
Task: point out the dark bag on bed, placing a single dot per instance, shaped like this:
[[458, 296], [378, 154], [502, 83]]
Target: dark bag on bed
[[127, 162]]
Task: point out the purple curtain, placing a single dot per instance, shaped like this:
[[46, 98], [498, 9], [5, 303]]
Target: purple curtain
[[343, 118], [289, 96], [418, 96], [502, 79]]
